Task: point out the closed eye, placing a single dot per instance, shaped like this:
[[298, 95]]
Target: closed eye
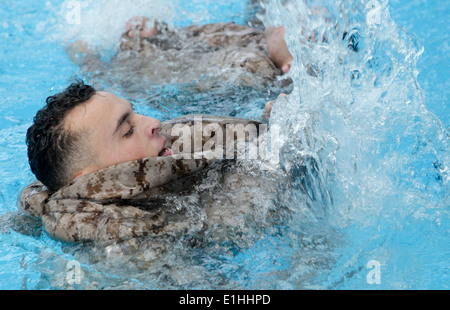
[[129, 132]]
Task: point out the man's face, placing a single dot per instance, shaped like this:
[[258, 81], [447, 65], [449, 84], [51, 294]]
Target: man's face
[[116, 133]]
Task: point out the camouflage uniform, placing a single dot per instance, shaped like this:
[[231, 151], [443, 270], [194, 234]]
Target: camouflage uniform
[[123, 202], [214, 47], [222, 52]]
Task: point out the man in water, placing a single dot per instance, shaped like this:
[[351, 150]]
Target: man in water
[[104, 172], [73, 136], [222, 52], [218, 35]]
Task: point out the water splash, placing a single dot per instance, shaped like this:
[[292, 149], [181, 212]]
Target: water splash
[[357, 108]]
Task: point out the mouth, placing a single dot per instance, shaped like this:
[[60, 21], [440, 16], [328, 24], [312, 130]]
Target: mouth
[[165, 152]]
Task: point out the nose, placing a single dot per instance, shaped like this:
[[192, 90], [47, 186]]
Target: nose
[[152, 126]]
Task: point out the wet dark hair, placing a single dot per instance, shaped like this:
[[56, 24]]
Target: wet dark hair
[[53, 151]]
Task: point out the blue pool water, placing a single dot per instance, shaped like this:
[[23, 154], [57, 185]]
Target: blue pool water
[[382, 138]]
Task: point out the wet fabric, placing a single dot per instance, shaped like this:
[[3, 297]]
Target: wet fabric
[[208, 54], [121, 202], [215, 47]]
